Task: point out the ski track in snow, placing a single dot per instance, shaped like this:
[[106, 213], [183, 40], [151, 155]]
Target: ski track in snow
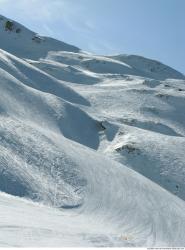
[[91, 147]]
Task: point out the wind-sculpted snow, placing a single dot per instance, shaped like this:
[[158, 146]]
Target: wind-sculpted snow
[[66, 72], [91, 147], [37, 79]]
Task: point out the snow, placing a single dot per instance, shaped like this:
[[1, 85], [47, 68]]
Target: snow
[[27, 43], [91, 147]]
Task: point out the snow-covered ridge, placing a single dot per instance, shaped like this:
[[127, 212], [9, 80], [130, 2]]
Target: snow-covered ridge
[[151, 67], [91, 147], [22, 42]]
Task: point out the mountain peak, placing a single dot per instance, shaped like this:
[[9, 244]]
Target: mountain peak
[[20, 41]]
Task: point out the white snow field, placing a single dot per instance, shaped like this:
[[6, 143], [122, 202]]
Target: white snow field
[[92, 148]]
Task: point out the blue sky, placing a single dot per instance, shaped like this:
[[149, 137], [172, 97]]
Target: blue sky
[[151, 28]]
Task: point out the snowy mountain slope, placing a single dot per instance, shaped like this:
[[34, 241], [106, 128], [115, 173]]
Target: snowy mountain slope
[[144, 126], [26, 224], [22, 42], [71, 127], [116, 65], [149, 67], [56, 173]]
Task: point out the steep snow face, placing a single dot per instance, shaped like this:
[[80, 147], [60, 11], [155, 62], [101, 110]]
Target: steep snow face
[[22, 42], [88, 145]]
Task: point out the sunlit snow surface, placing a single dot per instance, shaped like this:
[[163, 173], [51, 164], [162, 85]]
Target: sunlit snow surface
[[91, 147]]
